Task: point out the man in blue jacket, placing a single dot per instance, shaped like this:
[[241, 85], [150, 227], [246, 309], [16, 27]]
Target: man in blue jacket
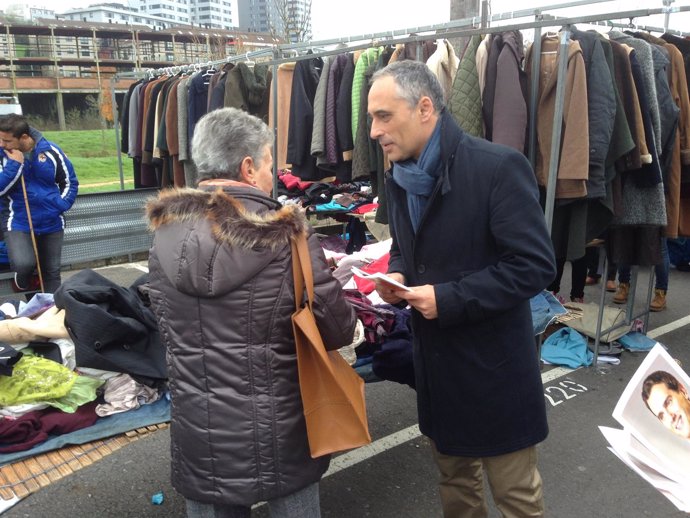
[[49, 188], [469, 238]]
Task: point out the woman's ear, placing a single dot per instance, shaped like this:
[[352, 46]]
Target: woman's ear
[[247, 171]]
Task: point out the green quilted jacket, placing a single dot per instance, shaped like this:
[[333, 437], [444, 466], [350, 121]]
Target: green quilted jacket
[[368, 57], [465, 102]]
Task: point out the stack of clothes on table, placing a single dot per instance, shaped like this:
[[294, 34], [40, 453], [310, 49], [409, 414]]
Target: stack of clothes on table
[[386, 352]]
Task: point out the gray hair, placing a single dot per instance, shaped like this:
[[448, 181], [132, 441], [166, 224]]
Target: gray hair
[[225, 137], [414, 81]]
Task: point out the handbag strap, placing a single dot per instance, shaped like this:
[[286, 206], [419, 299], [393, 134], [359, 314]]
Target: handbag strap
[[301, 270]]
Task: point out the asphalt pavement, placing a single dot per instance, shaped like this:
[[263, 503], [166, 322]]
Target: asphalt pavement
[[395, 477]]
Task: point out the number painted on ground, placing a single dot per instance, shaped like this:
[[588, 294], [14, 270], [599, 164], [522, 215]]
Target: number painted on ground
[[566, 389]]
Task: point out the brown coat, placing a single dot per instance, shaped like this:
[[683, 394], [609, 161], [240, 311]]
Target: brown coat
[[631, 104], [573, 170], [284, 85], [171, 134]]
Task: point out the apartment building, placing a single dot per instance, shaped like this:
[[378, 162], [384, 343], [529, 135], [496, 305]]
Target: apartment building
[[290, 19], [19, 11], [119, 13]]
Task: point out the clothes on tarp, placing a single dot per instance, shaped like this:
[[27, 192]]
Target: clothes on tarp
[[636, 341], [36, 427], [122, 393], [567, 347], [146, 415], [111, 327], [35, 379], [39, 380], [9, 356]]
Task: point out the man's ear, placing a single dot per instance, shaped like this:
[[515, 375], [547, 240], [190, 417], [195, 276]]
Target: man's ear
[[247, 170], [426, 108]]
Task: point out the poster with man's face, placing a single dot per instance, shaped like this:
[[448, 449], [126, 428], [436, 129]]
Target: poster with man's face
[[655, 409]]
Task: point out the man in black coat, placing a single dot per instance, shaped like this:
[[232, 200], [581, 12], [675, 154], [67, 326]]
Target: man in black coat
[[469, 237]]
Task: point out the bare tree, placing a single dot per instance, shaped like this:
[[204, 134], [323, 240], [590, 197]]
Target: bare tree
[[292, 20]]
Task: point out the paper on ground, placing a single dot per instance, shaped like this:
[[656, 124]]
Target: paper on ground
[[380, 276]]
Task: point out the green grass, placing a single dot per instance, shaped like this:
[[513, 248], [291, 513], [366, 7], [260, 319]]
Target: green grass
[[94, 156]]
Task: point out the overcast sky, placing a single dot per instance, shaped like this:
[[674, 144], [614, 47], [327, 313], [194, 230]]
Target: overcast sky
[[338, 18]]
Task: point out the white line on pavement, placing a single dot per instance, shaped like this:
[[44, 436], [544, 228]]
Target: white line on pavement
[[671, 326], [353, 457], [379, 446]]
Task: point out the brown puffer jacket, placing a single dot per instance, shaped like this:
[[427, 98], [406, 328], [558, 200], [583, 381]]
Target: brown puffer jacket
[[222, 290]]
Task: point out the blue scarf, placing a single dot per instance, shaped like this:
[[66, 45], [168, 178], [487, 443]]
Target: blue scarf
[[418, 178]]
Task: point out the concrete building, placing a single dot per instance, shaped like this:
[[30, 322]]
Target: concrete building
[[118, 13], [210, 14], [175, 11], [213, 14], [19, 11], [290, 19]]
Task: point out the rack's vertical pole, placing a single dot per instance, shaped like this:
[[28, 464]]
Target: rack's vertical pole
[[116, 123], [534, 95], [274, 86], [557, 128]]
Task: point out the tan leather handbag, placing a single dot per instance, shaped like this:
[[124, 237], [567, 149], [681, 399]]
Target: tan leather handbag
[[332, 392]]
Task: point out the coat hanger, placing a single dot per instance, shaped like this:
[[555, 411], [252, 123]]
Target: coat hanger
[[209, 70], [248, 61]]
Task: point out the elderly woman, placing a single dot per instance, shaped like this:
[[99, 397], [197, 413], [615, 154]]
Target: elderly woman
[[222, 290]]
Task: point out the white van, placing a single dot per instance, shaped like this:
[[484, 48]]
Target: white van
[[10, 104]]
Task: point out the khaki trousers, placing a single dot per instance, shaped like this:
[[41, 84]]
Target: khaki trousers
[[513, 478]]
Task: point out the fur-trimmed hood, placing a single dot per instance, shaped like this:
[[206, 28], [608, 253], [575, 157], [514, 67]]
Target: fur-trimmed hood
[[211, 242]]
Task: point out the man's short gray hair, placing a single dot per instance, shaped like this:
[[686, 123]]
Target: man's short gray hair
[[225, 137], [414, 81]]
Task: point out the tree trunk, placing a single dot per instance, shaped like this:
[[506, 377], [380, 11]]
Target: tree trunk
[[460, 9]]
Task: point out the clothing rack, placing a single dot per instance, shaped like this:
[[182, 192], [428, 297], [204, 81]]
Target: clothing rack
[[171, 70], [645, 28], [464, 28]]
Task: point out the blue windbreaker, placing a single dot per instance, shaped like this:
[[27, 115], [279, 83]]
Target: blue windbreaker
[[51, 187]]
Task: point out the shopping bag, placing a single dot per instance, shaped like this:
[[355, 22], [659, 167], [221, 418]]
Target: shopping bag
[[332, 392]]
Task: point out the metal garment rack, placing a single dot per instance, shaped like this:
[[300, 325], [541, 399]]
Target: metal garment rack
[[466, 28], [171, 70]]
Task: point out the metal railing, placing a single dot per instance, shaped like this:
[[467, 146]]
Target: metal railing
[[101, 226]]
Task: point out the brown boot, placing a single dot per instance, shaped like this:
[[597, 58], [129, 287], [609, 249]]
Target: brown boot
[[659, 301], [621, 296]]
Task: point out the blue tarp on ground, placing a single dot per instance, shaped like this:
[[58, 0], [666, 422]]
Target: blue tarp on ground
[[146, 415]]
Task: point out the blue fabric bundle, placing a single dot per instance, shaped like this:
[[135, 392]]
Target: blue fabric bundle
[[635, 341], [567, 347]]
